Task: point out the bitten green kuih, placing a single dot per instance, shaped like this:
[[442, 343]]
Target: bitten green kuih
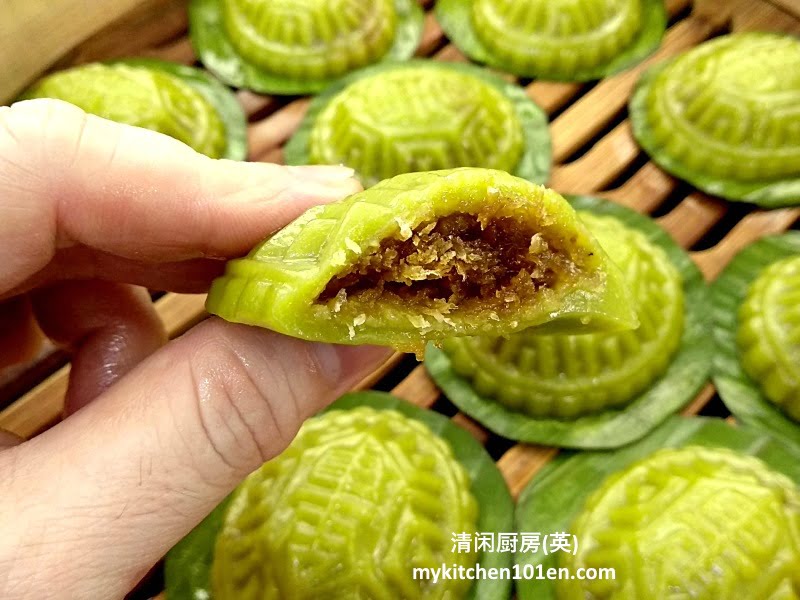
[[567, 40], [179, 101], [427, 256], [725, 116]]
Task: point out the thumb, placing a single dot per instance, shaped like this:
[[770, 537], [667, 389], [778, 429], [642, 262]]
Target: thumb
[[120, 482]]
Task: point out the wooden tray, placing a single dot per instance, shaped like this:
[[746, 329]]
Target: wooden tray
[[594, 153]]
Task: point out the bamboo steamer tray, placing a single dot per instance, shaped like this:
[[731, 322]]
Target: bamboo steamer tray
[[594, 153]]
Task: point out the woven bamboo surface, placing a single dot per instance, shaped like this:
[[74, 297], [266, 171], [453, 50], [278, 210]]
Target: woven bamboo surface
[[594, 153]]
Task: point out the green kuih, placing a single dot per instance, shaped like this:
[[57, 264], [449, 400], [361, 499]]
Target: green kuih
[[180, 101], [756, 308], [769, 334], [564, 40], [354, 484], [300, 47], [428, 256], [398, 118], [592, 390], [724, 116], [369, 491], [698, 509]]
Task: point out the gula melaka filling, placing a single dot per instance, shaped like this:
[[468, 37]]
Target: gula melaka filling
[[456, 262]]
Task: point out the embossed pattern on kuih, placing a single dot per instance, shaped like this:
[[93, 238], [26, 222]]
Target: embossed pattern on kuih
[[689, 519], [697, 509], [358, 500], [725, 116], [600, 389], [180, 101], [428, 256], [568, 40], [398, 118], [370, 490], [769, 334], [754, 305], [300, 46]]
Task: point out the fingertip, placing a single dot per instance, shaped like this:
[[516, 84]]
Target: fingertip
[[356, 362]]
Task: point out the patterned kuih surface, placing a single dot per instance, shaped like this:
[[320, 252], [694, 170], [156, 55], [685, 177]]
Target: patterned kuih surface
[[757, 333], [417, 119], [693, 522], [545, 36], [358, 500], [725, 116], [310, 38], [567, 40], [769, 334], [300, 46], [140, 96]]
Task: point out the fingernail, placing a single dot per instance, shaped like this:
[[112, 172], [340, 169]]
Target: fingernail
[[358, 362], [323, 174], [348, 365]]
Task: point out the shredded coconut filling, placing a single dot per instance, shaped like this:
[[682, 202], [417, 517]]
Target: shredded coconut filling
[[456, 261]]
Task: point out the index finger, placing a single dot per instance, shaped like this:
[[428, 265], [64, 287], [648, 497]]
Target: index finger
[[70, 181]]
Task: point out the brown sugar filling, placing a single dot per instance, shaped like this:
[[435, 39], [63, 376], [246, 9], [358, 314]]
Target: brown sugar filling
[[456, 261]]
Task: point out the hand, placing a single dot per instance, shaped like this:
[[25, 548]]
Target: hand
[[88, 207]]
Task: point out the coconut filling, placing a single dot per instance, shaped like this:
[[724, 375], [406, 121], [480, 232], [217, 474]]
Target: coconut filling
[[460, 261]]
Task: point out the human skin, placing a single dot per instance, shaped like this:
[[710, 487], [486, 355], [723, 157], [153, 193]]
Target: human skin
[[157, 433]]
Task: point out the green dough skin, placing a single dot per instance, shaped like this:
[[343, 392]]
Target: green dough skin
[[143, 95], [769, 334], [300, 47], [526, 40], [281, 282], [435, 116], [702, 523], [188, 566], [724, 117], [568, 40], [559, 492], [742, 395], [568, 376], [359, 499], [258, 30], [410, 120]]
